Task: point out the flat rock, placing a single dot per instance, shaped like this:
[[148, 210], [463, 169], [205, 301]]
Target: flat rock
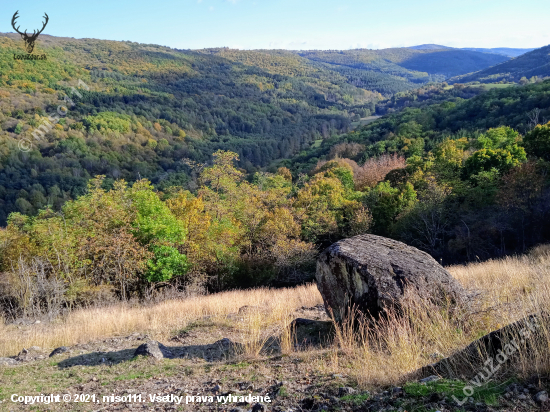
[[501, 346], [374, 273], [8, 362], [58, 351], [153, 349]]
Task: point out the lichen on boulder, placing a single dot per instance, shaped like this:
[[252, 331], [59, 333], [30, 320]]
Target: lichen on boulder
[[373, 273]]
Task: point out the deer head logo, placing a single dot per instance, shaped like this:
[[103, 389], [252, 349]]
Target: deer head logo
[[29, 38]]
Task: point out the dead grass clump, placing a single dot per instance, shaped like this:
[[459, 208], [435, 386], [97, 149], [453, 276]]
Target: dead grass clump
[[383, 353]]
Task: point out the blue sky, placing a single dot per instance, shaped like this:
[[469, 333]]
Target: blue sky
[[292, 24]]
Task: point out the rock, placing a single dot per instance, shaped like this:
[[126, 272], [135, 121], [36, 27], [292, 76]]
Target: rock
[[375, 273], [499, 345], [541, 397], [35, 348], [24, 355], [153, 349], [397, 391], [522, 397], [308, 332], [259, 407], [224, 343], [346, 390], [431, 378], [8, 362], [58, 351]]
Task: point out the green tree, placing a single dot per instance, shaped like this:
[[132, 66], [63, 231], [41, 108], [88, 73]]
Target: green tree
[[537, 141]]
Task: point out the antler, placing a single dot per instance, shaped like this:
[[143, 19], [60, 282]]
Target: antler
[[45, 23], [15, 17]]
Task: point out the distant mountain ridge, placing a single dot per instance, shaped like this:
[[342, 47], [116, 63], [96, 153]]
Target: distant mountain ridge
[[503, 51], [533, 63]]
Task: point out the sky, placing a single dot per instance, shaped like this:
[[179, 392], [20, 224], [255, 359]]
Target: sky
[[291, 24]]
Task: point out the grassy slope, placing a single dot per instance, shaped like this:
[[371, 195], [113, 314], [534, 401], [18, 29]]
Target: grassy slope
[[509, 288]]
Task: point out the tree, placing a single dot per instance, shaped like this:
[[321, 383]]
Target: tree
[[501, 160], [537, 141]]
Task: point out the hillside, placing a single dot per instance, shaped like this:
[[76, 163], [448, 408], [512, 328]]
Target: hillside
[[409, 62], [150, 108], [466, 162], [444, 113], [534, 63], [504, 51], [242, 342]]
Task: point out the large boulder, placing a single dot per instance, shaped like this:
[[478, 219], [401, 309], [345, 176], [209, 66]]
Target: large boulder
[[374, 273]]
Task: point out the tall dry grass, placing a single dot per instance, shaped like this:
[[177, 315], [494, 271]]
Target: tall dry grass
[[503, 291], [161, 319], [378, 354]]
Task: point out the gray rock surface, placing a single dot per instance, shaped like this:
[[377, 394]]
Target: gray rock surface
[[375, 273], [153, 349], [8, 362], [501, 346], [541, 397], [57, 351]]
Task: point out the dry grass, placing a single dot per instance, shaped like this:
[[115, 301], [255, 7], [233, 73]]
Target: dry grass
[[159, 320], [507, 290], [373, 354]]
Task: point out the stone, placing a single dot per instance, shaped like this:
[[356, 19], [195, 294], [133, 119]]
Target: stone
[[499, 345], [346, 390], [58, 351], [397, 391], [374, 273], [153, 349], [541, 397], [8, 362], [259, 407], [431, 378]]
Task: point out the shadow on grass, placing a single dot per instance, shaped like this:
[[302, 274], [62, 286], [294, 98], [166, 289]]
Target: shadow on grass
[[218, 351], [308, 333]]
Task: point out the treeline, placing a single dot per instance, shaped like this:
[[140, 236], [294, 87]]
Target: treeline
[[147, 110], [478, 189], [527, 66], [129, 240]]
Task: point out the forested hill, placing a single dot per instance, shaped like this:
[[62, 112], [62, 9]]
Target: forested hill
[[462, 180], [503, 51], [401, 61], [150, 110], [386, 71], [534, 63], [417, 130]]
